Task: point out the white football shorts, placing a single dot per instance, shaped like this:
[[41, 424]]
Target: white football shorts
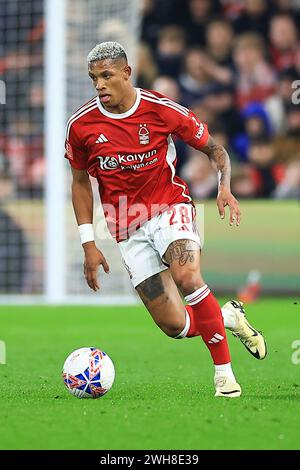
[[143, 252]]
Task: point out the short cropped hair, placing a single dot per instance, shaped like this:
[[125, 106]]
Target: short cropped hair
[[250, 40], [107, 50]]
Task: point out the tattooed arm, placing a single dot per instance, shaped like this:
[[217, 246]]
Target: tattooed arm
[[221, 161]]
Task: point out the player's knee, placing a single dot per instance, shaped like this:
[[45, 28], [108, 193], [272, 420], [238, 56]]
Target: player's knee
[[187, 282], [171, 329]]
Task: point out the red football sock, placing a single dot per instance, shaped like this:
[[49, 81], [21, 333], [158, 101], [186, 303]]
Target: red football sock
[[205, 319]]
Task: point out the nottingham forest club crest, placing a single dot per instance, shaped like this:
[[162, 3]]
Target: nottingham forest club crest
[[144, 134]]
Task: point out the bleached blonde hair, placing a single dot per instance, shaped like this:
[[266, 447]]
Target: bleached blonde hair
[[107, 50]]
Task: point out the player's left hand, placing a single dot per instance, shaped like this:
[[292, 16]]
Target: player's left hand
[[93, 258], [226, 198]]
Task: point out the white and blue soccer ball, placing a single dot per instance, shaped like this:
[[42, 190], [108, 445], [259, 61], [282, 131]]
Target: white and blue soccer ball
[[88, 373]]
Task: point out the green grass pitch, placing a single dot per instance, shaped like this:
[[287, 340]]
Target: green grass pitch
[[163, 393]]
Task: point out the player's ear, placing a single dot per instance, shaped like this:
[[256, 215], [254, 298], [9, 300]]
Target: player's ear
[[127, 72]]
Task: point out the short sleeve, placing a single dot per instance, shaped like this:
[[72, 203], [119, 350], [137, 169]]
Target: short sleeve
[[74, 151], [185, 124]]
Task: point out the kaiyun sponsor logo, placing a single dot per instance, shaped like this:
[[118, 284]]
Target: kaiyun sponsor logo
[[133, 160]]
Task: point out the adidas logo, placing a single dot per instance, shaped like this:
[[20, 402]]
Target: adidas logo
[[216, 338], [184, 228], [101, 139]]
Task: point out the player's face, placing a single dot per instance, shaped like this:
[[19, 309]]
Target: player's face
[[110, 78]]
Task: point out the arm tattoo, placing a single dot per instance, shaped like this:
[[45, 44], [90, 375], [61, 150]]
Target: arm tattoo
[[151, 288], [218, 155], [183, 251]]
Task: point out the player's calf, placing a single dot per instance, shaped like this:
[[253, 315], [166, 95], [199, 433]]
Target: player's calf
[[162, 300]]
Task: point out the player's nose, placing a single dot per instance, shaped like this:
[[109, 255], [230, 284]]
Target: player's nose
[[100, 85]]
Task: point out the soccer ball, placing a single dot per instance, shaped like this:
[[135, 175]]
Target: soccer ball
[[88, 373]]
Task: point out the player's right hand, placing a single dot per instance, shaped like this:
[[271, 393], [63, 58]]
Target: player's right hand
[[93, 259]]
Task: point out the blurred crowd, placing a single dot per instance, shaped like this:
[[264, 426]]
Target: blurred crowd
[[22, 162], [236, 64]]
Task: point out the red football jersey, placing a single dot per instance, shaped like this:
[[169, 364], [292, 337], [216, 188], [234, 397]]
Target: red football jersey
[[133, 156]]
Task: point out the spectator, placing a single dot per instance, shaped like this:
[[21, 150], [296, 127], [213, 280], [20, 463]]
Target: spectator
[[221, 102], [218, 132], [284, 41], [150, 22], [146, 69], [232, 9], [200, 175], [288, 7], [242, 182], [170, 50], [200, 13], [256, 124], [255, 79], [276, 104], [157, 14], [287, 146], [293, 120], [204, 113], [219, 42], [254, 18], [36, 102], [167, 86], [195, 82], [289, 187], [265, 172], [25, 155]]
